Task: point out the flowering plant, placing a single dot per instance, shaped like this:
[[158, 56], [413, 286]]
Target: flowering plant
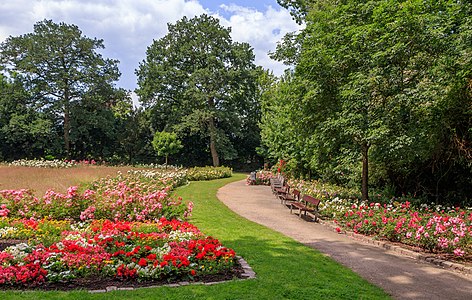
[[122, 250], [52, 163], [262, 178], [433, 228], [137, 195], [208, 173]]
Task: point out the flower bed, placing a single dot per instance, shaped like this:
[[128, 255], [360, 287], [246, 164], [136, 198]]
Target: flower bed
[[124, 228], [42, 163], [137, 195], [262, 178], [119, 250], [54, 163], [437, 229], [208, 173], [440, 232]]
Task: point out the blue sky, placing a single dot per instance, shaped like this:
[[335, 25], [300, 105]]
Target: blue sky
[[128, 27], [260, 5]]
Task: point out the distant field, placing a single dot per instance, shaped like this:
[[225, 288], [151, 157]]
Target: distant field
[[42, 179]]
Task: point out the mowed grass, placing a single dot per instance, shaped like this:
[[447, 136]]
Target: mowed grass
[[285, 268], [41, 179]]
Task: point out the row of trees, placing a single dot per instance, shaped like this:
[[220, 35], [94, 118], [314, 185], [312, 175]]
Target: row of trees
[[381, 91], [58, 97]]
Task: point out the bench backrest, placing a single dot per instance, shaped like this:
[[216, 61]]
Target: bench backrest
[[285, 189], [296, 194], [311, 200]]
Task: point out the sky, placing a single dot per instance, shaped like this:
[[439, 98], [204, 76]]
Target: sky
[[128, 27]]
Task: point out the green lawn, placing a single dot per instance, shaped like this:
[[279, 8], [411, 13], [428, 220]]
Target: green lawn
[[285, 268]]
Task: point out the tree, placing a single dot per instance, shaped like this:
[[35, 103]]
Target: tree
[[200, 82], [386, 83], [24, 132], [166, 143], [96, 123], [58, 66]]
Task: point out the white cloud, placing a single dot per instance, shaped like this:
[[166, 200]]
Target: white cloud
[[128, 27], [262, 30]]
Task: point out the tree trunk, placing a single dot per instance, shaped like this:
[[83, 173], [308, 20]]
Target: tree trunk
[[212, 130], [67, 122], [214, 153], [166, 160], [365, 172]]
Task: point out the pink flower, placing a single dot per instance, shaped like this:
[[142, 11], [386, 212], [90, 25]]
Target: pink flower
[[4, 211], [72, 191], [459, 252], [443, 242]]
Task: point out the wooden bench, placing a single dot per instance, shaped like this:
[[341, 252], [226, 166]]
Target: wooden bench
[[308, 204], [290, 197], [277, 184]]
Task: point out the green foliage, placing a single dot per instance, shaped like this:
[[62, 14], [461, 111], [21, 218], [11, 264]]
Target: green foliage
[[208, 173], [59, 67], [202, 85], [384, 82], [24, 131], [166, 143]]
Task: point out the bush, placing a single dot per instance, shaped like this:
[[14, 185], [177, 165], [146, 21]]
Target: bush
[[208, 173]]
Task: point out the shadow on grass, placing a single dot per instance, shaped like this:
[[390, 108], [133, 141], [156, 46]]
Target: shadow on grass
[[288, 269]]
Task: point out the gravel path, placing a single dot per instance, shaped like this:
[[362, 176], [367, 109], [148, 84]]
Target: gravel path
[[401, 277]]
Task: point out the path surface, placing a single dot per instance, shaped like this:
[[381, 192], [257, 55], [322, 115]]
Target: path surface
[[401, 277]]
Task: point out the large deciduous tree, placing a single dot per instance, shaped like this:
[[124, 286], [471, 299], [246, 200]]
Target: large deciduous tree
[[24, 132], [58, 66], [383, 82], [201, 83]]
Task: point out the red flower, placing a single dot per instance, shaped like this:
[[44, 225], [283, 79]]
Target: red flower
[[151, 256], [338, 230], [142, 262], [193, 272]]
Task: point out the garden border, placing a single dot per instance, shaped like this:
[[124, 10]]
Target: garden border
[[453, 266], [248, 273]]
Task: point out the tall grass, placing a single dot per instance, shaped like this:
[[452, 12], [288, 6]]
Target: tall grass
[[41, 179]]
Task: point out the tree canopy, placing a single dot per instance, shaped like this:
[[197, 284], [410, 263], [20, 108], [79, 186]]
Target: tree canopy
[[381, 86], [59, 67], [201, 84], [166, 143]]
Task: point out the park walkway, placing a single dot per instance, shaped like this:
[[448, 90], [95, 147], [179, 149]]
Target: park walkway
[[402, 277]]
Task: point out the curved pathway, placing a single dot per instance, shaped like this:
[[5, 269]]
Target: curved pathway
[[401, 277]]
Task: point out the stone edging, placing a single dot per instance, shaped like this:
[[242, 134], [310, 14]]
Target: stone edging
[[248, 273], [453, 266]]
